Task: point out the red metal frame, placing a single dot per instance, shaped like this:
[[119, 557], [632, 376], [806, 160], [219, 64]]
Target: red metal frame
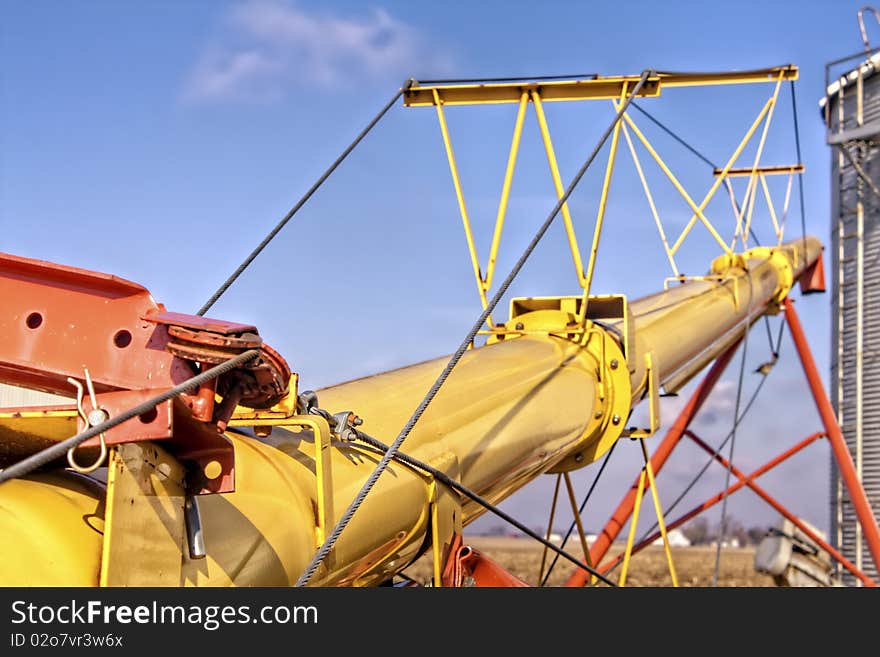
[[815, 282], [466, 566], [850, 477], [58, 320]]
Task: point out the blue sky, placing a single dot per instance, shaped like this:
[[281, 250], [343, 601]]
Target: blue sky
[[160, 141]]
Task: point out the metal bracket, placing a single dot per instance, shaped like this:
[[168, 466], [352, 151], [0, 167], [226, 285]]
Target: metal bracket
[[653, 392]]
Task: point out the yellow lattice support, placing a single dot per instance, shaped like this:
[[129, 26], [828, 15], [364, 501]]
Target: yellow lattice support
[[560, 189], [462, 206], [600, 214], [505, 190], [697, 209], [634, 521], [757, 160], [661, 523], [650, 197]]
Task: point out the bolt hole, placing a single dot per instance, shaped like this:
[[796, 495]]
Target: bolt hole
[[122, 339], [34, 320], [149, 416]]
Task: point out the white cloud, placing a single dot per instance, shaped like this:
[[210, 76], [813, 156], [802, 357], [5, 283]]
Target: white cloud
[[268, 46]]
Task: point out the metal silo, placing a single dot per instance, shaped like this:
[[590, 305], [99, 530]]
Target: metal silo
[[851, 110]]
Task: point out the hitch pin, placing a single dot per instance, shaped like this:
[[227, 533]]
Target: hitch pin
[[95, 416]]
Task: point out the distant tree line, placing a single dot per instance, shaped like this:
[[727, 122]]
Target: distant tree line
[[701, 532]]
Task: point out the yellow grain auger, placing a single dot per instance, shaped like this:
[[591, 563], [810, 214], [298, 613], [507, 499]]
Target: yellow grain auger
[[221, 471]]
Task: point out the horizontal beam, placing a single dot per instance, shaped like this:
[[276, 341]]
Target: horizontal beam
[[789, 72], [598, 88], [511, 92], [766, 171]]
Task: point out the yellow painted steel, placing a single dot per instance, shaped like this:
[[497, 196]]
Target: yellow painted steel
[[588, 559], [549, 527], [633, 523], [22, 431], [600, 215], [462, 206], [697, 209], [552, 398], [736, 153], [511, 92], [757, 160], [52, 526], [559, 187], [597, 88], [765, 170], [661, 523], [505, 189], [650, 197]]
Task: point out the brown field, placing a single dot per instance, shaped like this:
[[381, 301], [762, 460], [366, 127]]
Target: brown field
[[694, 565]]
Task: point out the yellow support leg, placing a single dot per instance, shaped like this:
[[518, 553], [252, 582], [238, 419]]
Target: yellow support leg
[[549, 528], [505, 190], [560, 190], [436, 548], [660, 522], [462, 207], [632, 530], [588, 559]]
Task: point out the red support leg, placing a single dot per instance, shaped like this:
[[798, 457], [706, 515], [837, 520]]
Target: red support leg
[[712, 501], [749, 481], [870, 530], [619, 518]]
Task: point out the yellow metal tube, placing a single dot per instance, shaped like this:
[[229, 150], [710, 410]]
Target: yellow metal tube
[[511, 410]]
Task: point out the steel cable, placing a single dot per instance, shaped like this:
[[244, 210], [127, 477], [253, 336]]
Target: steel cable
[[312, 568], [443, 478], [580, 510], [302, 201], [58, 450]]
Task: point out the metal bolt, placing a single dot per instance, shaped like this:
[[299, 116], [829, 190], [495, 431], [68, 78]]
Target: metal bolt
[[615, 419], [578, 457], [614, 363], [598, 415], [262, 431], [97, 416], [519, 326]]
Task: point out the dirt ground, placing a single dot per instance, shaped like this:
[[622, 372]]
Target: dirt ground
[[694, 565]]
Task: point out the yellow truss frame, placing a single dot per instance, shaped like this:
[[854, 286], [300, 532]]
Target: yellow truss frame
[[615, 89]]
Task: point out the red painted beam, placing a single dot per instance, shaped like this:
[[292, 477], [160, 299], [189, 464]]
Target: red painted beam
[[748, 481], [860, 503], [712, 501]]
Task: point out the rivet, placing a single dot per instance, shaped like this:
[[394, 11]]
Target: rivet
[[615, 419], [614, 363]]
